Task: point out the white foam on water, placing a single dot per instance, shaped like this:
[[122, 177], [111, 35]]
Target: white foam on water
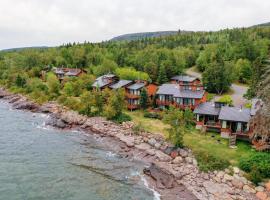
[[156, 194], [110, 154], [44, 127]]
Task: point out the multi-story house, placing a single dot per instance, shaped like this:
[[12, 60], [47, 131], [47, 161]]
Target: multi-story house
[[188, 82], [133, 94], [173, 94]]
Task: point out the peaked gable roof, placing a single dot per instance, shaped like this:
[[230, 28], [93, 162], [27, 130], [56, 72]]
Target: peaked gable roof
[[175, 91], [207, 108], [234, 114], [136, 86], [184, 78], [120, 84], [103, 80]]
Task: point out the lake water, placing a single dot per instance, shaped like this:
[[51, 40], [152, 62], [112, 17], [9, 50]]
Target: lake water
[[40, 163]]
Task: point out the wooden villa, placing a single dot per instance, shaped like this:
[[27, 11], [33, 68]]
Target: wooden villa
[[61, 73], [173, 95], [223, 119]]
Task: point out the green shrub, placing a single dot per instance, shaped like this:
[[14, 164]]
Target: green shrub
[[255, 176], [152, 115], [122, 118], [257, 166], [138, 128], [209, 162]]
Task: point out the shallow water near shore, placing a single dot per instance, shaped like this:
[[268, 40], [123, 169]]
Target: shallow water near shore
[[43, 163]]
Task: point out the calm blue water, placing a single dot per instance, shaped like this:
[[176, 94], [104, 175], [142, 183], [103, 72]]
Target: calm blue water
[[37, 163]]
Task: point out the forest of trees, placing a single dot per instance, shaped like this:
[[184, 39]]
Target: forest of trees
[[223, 57]]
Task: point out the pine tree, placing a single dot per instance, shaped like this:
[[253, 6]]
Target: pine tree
[[162, 76], [143, 99]]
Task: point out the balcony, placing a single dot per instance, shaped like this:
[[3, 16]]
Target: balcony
[[213, 124], [132, 106], [164, 103], [183, 107], [132, 96]]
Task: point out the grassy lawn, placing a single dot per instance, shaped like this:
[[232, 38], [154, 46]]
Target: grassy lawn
[[212, 143], [217, 146], [150, 125]]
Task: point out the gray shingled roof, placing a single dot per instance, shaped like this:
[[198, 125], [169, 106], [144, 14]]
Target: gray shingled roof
[[190, 94], [102, 80], [169, 89], [234, 114], [207, 108], [120, 84], [59, 71], [184, 78], [174, 90], [73, 72], [136, 86]]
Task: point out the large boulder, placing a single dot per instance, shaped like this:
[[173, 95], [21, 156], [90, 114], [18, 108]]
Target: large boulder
[[128, 140], [55, 122], [25, 105], [163, 179], [220, 191], [162, 156], [72, 117]]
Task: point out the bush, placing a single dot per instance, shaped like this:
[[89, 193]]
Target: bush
[[255, 176], [138, 128], [122, 118], [208, 162], [257, 166], [152, 115]]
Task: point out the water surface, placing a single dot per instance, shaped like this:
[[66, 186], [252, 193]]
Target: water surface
[[38, 163]]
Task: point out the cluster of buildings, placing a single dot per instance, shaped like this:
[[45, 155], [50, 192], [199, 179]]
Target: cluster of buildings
[[61, 73], [182, 92]]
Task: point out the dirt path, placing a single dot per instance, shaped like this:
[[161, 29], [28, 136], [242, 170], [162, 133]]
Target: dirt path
[[238, 90]]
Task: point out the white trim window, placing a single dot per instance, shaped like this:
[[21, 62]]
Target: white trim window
[[224, 124]]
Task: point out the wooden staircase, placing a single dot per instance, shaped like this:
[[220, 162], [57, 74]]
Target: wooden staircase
[[232, 141]]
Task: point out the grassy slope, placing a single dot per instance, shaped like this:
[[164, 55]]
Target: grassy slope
[[198, 141]]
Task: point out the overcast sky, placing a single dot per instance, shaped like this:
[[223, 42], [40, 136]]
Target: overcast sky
[[54, 22]]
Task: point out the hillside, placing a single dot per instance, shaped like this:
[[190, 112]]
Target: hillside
[[24, 48], [137, 36], [262, 25]]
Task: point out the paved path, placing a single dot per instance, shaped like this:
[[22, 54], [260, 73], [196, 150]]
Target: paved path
[[238, 90]]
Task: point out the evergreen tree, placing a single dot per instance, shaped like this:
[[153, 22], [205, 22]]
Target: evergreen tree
[[162, 76], [143, 99], [217, 77]]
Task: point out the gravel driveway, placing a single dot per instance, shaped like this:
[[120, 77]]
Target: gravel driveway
[[238, 90]]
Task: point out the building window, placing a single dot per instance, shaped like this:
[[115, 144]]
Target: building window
[[198, 89], [161, 97], [224, 124], [193, 101], [239, 127]]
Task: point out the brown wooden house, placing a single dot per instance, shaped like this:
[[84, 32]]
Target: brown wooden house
[[174, 95]]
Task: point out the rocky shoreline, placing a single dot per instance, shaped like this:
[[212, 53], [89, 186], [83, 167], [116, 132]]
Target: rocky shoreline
[[173, 172]]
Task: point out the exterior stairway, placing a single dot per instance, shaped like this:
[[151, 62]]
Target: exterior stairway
[[232, 141]]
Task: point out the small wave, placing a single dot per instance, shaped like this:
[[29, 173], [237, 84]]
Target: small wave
[[110, 154], [44, 127], [155, 193]]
